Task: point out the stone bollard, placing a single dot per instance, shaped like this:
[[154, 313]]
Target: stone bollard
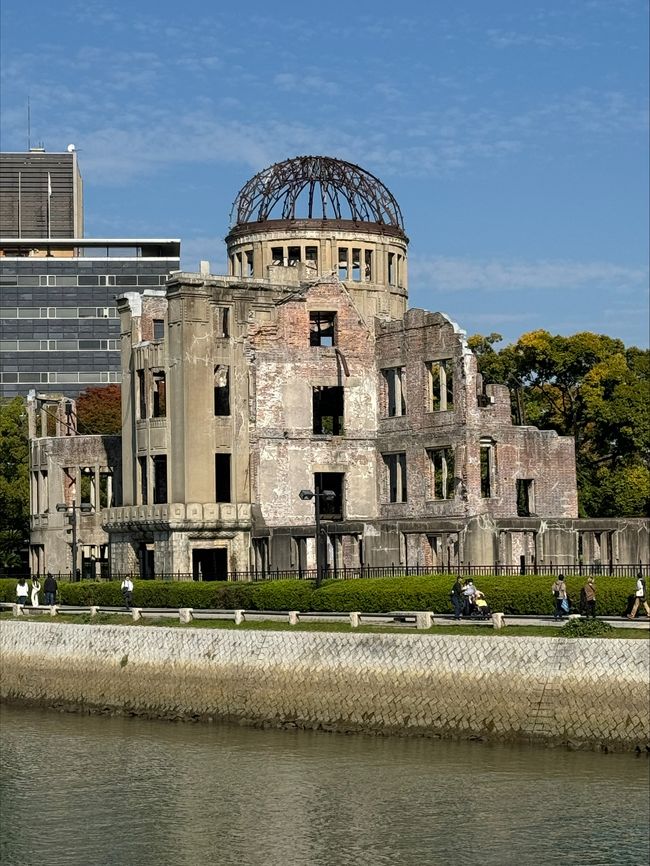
[[355, 617], [54, 609], [424, 619], [17, 610], [293, 617], [498, 620], [239, 617], [136, 613], [93, 609], [185, 614]]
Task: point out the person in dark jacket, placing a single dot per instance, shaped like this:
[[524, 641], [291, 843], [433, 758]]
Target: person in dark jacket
[[50, 587], [589, 590], [457, 598]]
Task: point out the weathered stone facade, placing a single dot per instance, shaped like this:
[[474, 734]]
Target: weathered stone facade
[[585, 693], [303, 370]]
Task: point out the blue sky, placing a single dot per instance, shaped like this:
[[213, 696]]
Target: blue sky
[[513, 134]]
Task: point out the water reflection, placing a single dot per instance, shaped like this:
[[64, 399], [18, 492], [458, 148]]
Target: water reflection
[[94, 791]]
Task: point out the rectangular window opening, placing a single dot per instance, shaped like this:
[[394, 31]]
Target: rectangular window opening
[[395, 398], [277, 255], [367, 273], [327, 406], [159, 395], [487, 469], [293, 256], [222, 477], [142, 395], [249, 263], [356, 265], [396, 476], [158, 329], [321, 328], [441, 386], [160, 479], [442, 473], [144, 485], [391, 269], [343, 263], [311, 255], [330, 509], [525, 504], [221, 390]]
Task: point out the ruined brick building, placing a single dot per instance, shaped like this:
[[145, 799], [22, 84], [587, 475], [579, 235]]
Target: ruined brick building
[[303, 369]]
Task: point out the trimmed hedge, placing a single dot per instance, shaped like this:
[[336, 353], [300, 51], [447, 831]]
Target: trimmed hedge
[[530, 594]]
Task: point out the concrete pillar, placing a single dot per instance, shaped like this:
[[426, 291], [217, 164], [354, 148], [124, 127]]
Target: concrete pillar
[[17, 610], [355, 617], [239, 617], [498, 620], [424, 619], [185, 614], [136, 613], [93, 609], [54, 608], [294, 617]]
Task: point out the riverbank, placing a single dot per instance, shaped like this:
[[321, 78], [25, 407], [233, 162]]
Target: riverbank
[[585, 693]]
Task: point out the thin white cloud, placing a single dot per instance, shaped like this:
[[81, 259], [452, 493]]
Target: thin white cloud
[[455, 275]]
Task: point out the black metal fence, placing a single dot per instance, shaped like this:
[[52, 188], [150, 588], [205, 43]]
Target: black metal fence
[[346, 573]]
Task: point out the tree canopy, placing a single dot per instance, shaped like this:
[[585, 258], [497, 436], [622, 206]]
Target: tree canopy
[[591, 387], [99, 410], [14, 482]]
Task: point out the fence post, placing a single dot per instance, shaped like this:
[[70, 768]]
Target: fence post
[[239, 617], [293, 617], [354, 619]]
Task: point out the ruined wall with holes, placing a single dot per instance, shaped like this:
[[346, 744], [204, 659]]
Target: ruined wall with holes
[[285, 452], [469, 420], [585, 693]]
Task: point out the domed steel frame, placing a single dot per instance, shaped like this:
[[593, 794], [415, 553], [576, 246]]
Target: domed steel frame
[[327, 184]]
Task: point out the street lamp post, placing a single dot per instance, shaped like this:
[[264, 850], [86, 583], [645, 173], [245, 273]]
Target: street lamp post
[[328, 496], [71, 511]]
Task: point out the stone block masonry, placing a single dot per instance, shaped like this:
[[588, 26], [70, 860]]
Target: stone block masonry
[[582, 692]]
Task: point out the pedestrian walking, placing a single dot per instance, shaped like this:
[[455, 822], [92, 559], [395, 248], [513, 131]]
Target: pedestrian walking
[[561, 598], [589, 590], [640, 597], [457, 598], [50, 587], [22, 591], [127, 591], [36, 588]]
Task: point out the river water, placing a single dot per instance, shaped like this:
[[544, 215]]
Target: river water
[[97, 790]]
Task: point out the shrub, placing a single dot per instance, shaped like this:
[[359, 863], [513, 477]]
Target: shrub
[[585, 628], [516, 595]]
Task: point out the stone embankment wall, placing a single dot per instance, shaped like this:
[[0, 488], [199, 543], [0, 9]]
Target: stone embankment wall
[[582, 692]]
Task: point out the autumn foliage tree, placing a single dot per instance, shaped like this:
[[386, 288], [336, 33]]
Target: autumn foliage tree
[[99, 410], [591, 387]]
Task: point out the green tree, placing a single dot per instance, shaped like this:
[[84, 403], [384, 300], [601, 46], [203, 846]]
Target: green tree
[[99, 410], [591, 387], [14, 482]]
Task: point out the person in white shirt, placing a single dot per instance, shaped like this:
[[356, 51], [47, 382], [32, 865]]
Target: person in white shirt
[[22, 591], [639, 597], [127, 591]]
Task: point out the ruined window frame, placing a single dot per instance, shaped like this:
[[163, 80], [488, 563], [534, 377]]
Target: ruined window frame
[[396, 477], [487, 465], [440, 385], [322, 327], [394, 391], [336, 393], [442, 471]]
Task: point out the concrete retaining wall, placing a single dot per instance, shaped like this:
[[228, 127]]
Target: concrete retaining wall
[[583, 692]]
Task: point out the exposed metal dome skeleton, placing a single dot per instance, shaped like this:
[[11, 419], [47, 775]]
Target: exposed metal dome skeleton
[[319, 186]]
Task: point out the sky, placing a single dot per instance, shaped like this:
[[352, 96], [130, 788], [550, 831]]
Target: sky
[[513, 134]]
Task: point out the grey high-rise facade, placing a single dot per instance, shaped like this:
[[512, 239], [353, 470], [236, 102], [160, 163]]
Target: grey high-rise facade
[[41, 195], [59, 329]]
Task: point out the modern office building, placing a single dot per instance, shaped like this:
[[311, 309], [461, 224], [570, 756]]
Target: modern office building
[[41, 195], [59, 329]]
